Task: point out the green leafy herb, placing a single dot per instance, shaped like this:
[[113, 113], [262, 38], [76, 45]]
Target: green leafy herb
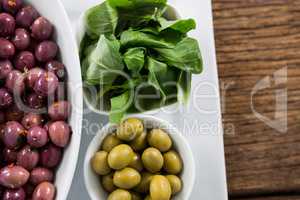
[[101, 19], [185, 56], [105, 62], [119, 107], [182, 26], [135, 60]]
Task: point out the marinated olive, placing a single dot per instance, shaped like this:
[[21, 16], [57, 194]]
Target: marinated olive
[[127, 178], [120, 156], [130, 129], [172, 162], [107, 182], [136, 162], [99, 163], [140, 142], [153, 160], [160, 188], [144, 185], [135, 196], [45, 191], [120, 195], [110, 142], [13, 177], [160, 140], [175, 183]]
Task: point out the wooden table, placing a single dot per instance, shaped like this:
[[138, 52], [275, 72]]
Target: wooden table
[[260, 40]]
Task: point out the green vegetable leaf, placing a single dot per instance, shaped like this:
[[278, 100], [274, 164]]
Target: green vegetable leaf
[[131, 4], [119, 106], [101, 19], [182, 26], [184, 85], [135, 60], [156, 70], [186, 56], [105, 62], [139, 39]]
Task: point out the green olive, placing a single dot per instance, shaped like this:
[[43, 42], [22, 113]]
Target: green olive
[[144, 185], [139, 143], [110, 142], [119, 194], [160, 188], [130, 129], [160, 139], [108, 183], [99, 163], [175, 182], [152, 160], [172, 162], [136, 162], [135, 196], [127, 178], [120, 156]]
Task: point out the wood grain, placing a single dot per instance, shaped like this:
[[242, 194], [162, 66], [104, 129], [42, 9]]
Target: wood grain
[[255, 39]]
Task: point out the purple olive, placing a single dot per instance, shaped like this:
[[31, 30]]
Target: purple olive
[[57, 68], [24, 61], [50, 156], [12, 6], [9, 155], [37, 137], [17, 194], [44, 191], [46, 84], [15, 82], [28, 158], [31, 119], [26, 16], [40, 174], [41, 29], [7, 49], [5, 68], [7, 25], [46, 51], [6, 99], [13, 177], [14, 134], [21, 40], [59, 133], [14, 114], [33, 75], [35, 101], [60, 110]]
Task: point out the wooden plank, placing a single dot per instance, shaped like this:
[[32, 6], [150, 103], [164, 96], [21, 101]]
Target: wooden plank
[[254, 39]]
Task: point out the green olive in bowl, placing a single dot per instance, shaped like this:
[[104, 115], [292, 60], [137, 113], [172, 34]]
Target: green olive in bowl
[[130, 129], [172, 162], [119, 194], [160, 188], [159, 139], [99, 163], [152, 160], [120, 156], [109, 142], [127, 178]]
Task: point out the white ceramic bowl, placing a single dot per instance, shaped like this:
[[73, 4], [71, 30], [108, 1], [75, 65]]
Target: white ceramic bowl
[[54, 11], [91, 179]]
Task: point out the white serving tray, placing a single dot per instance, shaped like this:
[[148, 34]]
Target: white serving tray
[[200, 121]]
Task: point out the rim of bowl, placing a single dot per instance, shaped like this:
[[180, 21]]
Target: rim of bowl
[[97, 140], [171, 12]]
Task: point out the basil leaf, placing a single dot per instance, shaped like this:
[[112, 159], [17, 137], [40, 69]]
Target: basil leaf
[[138, 39], [185, 56], [104, 62], [130, 4], [101, 19], [184, 85], [182, 26], [135, 59], [119, 106]]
